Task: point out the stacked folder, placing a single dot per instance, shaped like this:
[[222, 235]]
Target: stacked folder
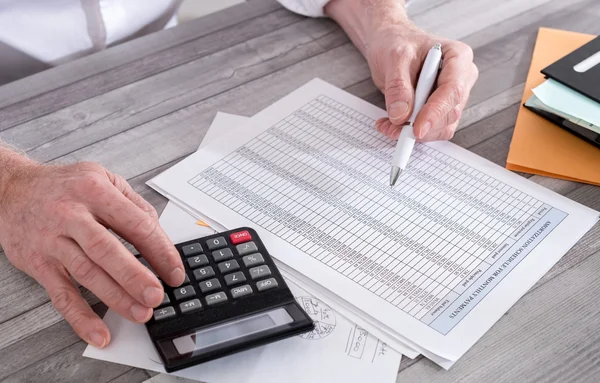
[[557, 133]]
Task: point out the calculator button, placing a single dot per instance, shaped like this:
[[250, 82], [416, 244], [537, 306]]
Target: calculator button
[[188, 306], [253, 260], [235, 278], [216, 298], [240, 236], [221, 255], [184, 292], [166, 300], [241, 291], [187, 279], [210, 285], [228, 266], [191, 250], [197, 261], [270, 283], [164, 313], [216, 243], [246, 248], [203, 273], [260, 272]]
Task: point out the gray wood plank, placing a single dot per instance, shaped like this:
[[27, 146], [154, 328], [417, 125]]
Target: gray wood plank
[[69, 366], [58, 133], [39, 345], [123, 54], [550, 335], [155, 63], [135, 375]]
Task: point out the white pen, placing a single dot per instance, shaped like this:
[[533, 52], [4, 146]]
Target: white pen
[[406, 141]]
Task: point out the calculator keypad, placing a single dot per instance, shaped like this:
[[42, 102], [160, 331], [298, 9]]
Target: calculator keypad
[[267, 284], [228, 266], [184, 292], [216, 298], [253, 260], [238, 270], [259, 272], [235, 278], [197, 261], [164, 313], [216, 243], [241, 291], [203, 273], [210, 285], [191, 250], [222, 255], [188, 306], [246, 248]]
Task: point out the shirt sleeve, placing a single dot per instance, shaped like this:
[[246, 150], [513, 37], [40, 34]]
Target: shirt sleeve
[[311, 8]]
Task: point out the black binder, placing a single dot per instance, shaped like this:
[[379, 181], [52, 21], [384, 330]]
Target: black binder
[[580, 71]]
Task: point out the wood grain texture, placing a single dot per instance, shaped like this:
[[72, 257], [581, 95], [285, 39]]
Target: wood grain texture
[[141, 107]]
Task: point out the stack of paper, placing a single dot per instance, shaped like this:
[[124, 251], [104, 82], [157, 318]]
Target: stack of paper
[[426, 267]]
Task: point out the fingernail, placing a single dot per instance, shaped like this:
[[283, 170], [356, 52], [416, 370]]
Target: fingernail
[[398, 110], [140, 313], [425, 129], [97, 340], [153, 296], [178, 275]]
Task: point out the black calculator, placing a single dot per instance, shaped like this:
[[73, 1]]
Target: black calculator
[[233, 298]]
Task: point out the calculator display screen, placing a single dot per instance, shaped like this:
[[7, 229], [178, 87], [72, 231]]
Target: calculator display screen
[[232, 331]]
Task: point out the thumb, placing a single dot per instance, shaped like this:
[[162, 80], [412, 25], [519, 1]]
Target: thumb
[[399, 94]]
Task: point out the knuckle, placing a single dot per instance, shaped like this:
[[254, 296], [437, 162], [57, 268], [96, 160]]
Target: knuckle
[[62, 300], [113, 296], [397, 86], [132, 277], [458, 93], [475, 70], [82, 269], [465, 50], [145, 228], [100, 245]]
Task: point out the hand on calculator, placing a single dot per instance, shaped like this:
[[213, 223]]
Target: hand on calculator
[[53, 223]]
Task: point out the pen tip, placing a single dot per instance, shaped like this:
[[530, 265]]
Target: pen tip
[[394, 175]]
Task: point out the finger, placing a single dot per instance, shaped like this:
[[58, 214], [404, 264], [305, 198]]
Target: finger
[[106, 251], [123, 186], [67, 300], [399, 88], [454, 84], [95, 279], [445, 134], [143, 231]]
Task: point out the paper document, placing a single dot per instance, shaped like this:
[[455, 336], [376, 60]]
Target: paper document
[[336, 350], [227, 124], [436, 260]]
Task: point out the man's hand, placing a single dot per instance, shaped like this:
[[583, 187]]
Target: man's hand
[[395, 50], [53, 225]]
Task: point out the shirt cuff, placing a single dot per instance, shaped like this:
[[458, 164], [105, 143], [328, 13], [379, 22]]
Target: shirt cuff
[[311, 8]]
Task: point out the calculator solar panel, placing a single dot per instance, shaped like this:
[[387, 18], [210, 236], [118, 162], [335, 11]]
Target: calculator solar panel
[[233, 298]]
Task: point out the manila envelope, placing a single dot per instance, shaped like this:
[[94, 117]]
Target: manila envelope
[[540, 147]]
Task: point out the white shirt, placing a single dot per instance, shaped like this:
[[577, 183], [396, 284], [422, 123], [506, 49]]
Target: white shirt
[[37, 34]]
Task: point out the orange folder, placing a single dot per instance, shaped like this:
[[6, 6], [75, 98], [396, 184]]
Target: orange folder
[[540, 147]]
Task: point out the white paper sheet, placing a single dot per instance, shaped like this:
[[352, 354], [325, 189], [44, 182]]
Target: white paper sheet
[[437, 260], [337, 350]]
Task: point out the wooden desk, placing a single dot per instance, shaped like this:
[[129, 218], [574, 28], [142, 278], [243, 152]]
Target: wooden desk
[[140, 107]]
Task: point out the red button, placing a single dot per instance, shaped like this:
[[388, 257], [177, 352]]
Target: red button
[[240, 236]]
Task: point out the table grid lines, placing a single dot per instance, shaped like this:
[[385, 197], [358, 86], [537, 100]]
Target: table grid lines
[[317, 179]]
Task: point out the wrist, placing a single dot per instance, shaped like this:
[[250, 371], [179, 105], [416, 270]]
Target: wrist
[[12, 166], [362, 20]]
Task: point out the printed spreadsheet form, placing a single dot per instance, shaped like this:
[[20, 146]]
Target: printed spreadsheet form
[[312, 173]]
